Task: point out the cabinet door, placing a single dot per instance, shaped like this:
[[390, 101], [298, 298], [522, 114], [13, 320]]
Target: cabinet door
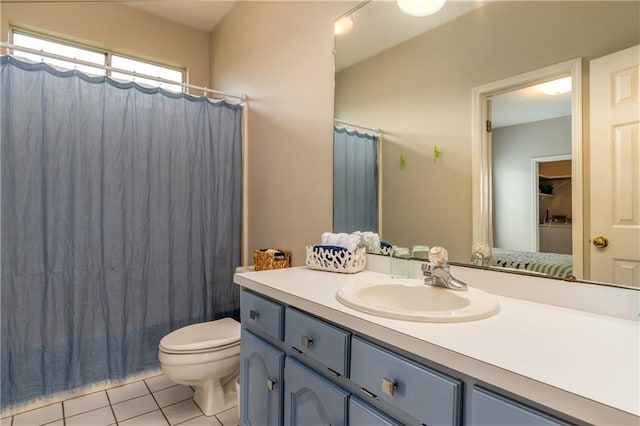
[[310, 400], [493, 410], [261, 387], [362, 414]]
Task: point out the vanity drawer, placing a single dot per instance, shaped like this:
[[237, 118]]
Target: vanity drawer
[[431, 397], [491, 409], [323, 342], [258, 313]]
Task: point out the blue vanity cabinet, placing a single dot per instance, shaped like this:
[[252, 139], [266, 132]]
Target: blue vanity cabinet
[[490, 409], [362, 414], [261, 375], [429, 396], [261, 361], [298, 369], [323, 342], [310, 399]]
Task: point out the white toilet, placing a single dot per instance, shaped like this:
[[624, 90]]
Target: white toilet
[[207, 356]]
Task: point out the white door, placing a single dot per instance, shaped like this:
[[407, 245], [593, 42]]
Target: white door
[[489, 200], [615, 167]]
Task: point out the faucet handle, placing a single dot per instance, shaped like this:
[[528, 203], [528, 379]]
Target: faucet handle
[[427, 271], [439, 256], [427, 268]]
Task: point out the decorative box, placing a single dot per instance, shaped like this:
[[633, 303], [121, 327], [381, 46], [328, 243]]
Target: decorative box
[[333, 260], [271, 259]]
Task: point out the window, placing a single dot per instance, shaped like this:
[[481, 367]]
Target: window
[[102, 58], [146, 68], [31, 42]]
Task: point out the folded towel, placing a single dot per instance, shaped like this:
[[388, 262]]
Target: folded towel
[[348, 241], [369, 240], [331, 239]]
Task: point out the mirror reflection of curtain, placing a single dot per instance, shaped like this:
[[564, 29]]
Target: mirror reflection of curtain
[[121, 210], [355, 181]]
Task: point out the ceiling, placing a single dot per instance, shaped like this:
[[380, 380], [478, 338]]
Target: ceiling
[[527, 105], [201, 15], [378, 26]]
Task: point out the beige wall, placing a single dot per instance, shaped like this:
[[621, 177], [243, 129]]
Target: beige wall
[[419, 93], [117, 28], [280, 54]]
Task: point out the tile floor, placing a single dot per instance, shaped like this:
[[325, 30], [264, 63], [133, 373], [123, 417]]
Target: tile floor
[[150, 402]]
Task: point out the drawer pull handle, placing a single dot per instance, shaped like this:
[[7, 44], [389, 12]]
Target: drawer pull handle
[[253, 314], [389, 386], [306, 341], [271, 384]]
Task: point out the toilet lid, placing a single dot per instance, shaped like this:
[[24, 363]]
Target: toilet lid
[[205, 335]]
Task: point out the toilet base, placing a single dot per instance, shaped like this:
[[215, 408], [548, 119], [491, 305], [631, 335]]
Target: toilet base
[[213, 397]]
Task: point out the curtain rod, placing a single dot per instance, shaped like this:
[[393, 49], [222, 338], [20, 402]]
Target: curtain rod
[[241, 98], [356, 8], [357, 125]]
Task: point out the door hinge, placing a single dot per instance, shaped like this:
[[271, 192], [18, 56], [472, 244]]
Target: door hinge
[[488, 126]]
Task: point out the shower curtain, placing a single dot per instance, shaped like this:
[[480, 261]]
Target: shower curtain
[[355, 181], [121, 209]]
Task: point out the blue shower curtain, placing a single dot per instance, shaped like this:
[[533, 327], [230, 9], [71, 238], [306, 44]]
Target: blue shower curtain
[[121, 209], [355, 181]]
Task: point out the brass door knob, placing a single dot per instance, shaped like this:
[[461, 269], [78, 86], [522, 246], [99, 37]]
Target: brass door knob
[[600, 242]]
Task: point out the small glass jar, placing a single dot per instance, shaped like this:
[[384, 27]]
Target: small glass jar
[[400, 262]]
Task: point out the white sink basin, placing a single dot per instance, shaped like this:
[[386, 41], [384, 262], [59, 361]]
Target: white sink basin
[[410, 299]]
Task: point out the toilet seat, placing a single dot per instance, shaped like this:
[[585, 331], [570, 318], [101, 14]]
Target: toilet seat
[[202, 337]]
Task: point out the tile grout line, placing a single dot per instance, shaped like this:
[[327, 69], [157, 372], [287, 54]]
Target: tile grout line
[[82, 396], [190, 418], [137, 415], [156, 401], [111, 407], [178, 402]]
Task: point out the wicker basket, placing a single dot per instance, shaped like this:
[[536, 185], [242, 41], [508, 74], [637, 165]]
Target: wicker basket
[[347, 262], [263, 260]]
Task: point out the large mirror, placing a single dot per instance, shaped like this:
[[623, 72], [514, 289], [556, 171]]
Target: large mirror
[[411, 81]]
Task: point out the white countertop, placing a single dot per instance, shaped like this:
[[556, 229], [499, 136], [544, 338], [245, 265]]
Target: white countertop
[[583, 364]]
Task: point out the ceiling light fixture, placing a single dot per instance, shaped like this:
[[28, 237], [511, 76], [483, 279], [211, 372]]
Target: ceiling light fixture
[[420, 7], [556, 87], [343, 25]]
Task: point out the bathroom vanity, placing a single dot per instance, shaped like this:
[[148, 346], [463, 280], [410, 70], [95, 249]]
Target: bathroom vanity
[[308, 359]]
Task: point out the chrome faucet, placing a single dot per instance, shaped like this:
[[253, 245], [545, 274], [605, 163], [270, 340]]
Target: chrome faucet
[[441, 277]]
